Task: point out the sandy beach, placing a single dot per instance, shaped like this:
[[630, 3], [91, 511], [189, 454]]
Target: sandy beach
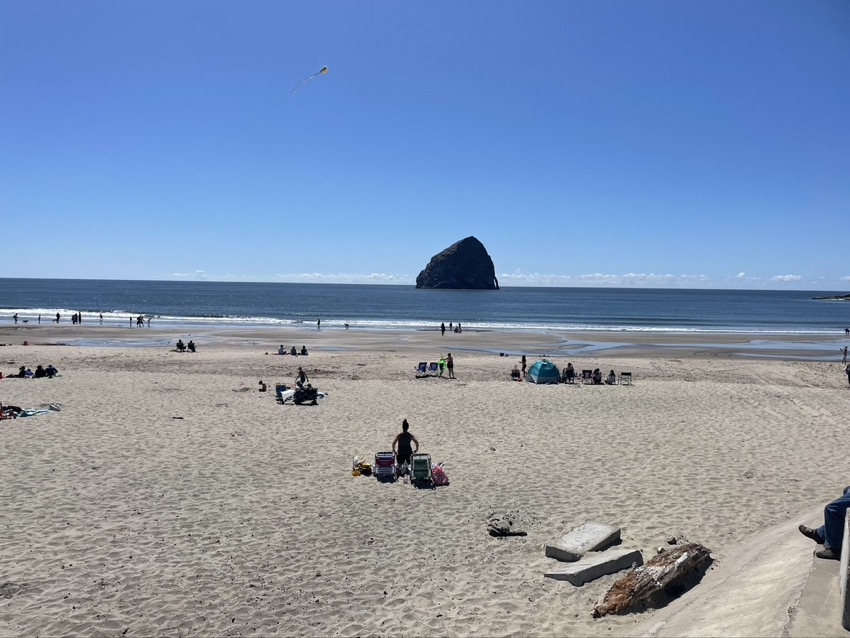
[[169, 497]]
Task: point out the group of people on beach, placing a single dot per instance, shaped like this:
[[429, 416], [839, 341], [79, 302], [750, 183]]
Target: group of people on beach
[[452, 328], [568, 374], [188, 347], [40, 372], [77, 319], [292, 351]]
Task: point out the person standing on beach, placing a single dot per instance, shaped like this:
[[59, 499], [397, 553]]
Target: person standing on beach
[[450, 364], [847, 370], [402, 444], [301, 379], [318, 324], [443, 329], [844, 355], [523, 366]]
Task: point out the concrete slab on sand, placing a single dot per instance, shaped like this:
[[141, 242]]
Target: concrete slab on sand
[[587, 537], [597, 564]]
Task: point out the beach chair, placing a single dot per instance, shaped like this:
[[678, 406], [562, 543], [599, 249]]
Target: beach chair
[[625, 378], [422, 369], [587, 376], [420, 468], [384, 466], [433, 368]]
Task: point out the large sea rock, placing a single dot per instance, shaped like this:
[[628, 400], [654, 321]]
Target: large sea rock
[[464, 265]]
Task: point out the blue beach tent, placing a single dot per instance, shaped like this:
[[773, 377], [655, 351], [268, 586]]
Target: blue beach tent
[[543, 372]]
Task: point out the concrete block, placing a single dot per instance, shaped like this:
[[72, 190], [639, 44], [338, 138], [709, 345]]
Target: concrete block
[[843, 573], [597, 564], [587, 537]]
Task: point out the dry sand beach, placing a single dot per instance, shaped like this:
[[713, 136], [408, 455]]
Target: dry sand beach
[[170, 497]]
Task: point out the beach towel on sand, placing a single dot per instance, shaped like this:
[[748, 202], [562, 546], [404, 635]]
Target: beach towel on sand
[[37, 411]]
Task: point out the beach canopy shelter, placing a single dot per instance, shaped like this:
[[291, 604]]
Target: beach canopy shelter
[[543, 372]]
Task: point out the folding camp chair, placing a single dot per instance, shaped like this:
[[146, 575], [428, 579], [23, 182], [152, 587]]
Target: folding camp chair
[[422, 369], [587, 376], [625, 378], [433, 368], [384, 467], [420, 467]]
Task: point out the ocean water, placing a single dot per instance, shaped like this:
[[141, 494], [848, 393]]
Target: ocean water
[[379, 307]]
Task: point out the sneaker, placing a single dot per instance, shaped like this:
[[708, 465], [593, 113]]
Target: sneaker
[[828, 554], [808, 532]]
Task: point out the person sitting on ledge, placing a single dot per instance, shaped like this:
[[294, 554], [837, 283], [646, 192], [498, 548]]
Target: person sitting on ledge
[[831, 533], [181, 347], [190, 346]]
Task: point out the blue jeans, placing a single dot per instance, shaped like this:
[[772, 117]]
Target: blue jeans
[[832, 529]]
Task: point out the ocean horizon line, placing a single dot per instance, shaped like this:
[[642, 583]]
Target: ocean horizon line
[[594, 286]]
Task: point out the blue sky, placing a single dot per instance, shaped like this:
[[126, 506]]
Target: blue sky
[[645, 143]]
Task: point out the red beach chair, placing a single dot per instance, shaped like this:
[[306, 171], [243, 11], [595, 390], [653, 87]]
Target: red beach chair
[[384, 467]]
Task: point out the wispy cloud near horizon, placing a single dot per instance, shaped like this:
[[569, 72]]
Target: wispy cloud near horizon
[[601, 280]]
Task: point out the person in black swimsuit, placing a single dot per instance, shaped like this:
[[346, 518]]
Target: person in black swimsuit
[[401, 444], [301, 379]]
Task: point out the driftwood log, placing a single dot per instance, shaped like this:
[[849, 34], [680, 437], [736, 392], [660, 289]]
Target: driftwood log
[[650, 579], [503, 526]]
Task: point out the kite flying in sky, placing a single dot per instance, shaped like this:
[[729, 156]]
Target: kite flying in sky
[[321, 71]]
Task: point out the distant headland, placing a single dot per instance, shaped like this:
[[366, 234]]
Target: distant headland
[[836, 298]]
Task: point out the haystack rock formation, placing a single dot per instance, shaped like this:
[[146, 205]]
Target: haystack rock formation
[[464, 265]]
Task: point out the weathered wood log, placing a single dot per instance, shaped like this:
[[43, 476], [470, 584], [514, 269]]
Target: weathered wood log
[[652, 578], [503, 525], [501, 531]]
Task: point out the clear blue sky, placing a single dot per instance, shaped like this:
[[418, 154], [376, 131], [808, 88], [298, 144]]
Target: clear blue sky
[[635, 143]]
